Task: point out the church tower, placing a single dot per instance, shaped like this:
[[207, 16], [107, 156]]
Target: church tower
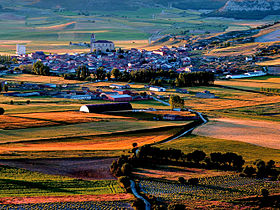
[[92, 40]]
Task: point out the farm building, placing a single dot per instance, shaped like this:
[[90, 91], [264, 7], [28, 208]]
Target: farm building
[[157, 89], [115, 86], [119, 98], [98, 108], [274, 70]]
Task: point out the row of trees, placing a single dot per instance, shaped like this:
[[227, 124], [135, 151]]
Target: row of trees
[[195, 79], [153, 77], [274, 91], [262, 169], [217, 160]]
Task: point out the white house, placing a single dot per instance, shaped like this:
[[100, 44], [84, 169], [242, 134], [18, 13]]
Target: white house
[[158, 89]]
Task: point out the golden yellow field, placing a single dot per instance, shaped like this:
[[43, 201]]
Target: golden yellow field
[[40, 79], [89, 143], [255, 83]]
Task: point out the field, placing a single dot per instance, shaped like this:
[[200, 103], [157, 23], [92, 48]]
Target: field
[[212, 192], [53, 31], [23, 183], [250, 152], [265, 134]]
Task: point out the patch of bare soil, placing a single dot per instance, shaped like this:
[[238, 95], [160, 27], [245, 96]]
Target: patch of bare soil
[[83, 168], [262, 133], [72, 198]]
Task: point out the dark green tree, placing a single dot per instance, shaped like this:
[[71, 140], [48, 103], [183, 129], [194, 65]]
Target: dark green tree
[[176, 101]]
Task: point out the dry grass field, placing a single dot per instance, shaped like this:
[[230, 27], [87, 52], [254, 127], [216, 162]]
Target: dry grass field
[[270, 82], [265, 134], [39, 79]]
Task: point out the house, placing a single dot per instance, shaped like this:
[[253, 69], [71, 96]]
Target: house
[[115, 86], [157, 89], [98, 108]]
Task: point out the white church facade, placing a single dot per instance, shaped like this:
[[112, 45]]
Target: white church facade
[[101, 45]]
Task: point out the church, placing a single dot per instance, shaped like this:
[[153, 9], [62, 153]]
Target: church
[[100, 45]]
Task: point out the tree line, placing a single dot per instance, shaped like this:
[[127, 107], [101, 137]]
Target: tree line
[[153, 77]]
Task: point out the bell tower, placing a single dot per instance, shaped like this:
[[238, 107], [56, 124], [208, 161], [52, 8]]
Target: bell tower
[[92, 40]]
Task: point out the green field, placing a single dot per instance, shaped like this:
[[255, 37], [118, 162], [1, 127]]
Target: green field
[[52, 31], [16, 182], [249, 152]]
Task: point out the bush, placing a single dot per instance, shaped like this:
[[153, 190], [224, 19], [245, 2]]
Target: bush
[[181, 180], [2, 111], [11, 102], [125, 181]]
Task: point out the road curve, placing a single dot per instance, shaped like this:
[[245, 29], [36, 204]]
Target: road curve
[[137, 195]]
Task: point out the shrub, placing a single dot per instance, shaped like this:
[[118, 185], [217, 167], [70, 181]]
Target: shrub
[[2, 111], [181, 180]]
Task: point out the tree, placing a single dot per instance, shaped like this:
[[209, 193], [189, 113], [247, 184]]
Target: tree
[[2, 111], [116, 73], [82, 72], [39, 68], [261, 169], [100, 73], [6, 88], [176, 101], [181, 180], [249, 171]]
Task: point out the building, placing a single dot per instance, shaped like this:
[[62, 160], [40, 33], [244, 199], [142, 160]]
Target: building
[[21, 50], [274, 70], [101, 45], [158, 89], [115, 86], [119, 98], [98, 108]]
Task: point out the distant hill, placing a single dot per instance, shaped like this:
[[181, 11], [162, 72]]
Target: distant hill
[[248, 9], [111, 5]]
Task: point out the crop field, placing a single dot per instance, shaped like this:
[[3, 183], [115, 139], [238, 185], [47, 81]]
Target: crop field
[[250, 152], [216, 188], [23, 183], [172, 173], [97, 143], [57, 29], [118, 205], [39, 79], [253, 83], [253, 132]]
